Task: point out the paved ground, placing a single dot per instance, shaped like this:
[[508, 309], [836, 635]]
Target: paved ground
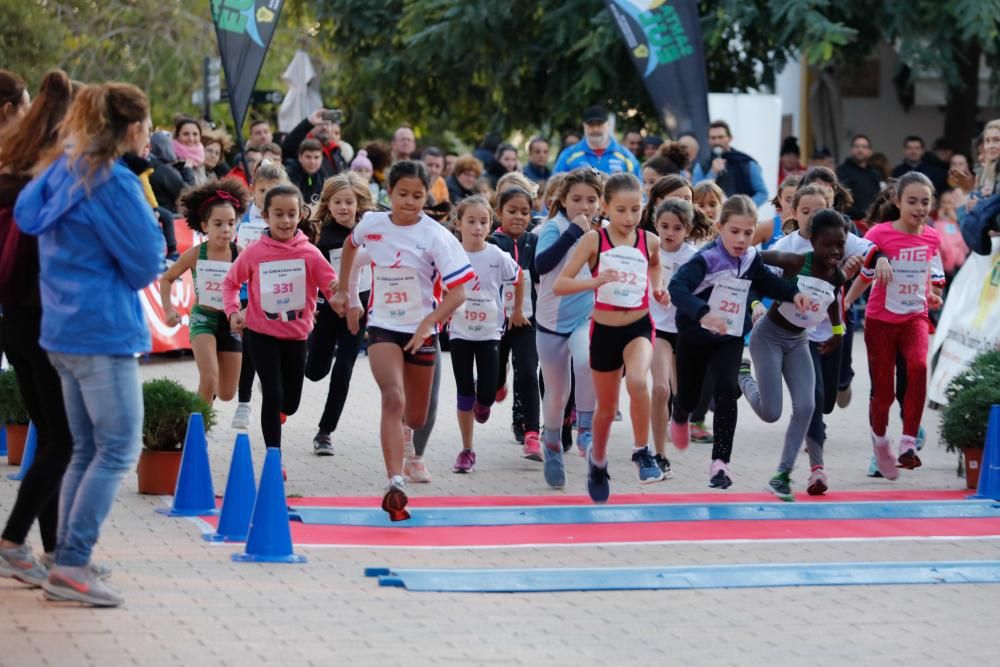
[[187, 603]]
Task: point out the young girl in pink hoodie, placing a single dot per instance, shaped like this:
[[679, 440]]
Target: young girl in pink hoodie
[[284, 272]]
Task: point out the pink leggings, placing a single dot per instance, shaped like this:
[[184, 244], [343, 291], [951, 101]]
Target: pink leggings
[[884, 340]]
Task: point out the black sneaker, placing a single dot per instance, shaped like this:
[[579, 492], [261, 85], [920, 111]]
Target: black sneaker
[[518, 430], [322, 445], [598, 482], [664, 464]]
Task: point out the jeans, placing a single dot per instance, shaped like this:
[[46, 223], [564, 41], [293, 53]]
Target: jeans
[[103, 399]]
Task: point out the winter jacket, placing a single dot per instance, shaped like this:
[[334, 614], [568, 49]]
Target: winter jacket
[[456, 192], [864, 184], [169, 176], [980, 221], [18, 251], [333, 157], [931, 167], [311, 185], [613, 159], [741, 177]]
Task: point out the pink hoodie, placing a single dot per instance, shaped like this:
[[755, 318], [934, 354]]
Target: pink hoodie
[[283, 278]]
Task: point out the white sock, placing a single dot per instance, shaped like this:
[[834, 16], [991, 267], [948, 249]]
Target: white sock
[[639, 448]]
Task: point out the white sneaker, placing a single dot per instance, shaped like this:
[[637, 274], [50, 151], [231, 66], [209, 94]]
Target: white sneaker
[[20, 563], [415, 470], [80, 585], [241, 419]]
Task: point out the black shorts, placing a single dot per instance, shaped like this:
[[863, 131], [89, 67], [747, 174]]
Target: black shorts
[[422, 357], [607, 344], [669, 336]]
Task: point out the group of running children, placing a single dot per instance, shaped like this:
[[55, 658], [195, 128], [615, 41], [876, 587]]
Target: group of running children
[[616, 284]]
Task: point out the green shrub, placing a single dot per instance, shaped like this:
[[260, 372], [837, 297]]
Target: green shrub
[[12, 410], [167, 406], [971, 394]]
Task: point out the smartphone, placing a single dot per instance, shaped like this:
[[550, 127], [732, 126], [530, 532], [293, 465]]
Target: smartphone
[[333, 116]]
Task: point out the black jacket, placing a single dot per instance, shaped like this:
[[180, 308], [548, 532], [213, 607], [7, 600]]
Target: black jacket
[[864, 184], [333, 159], [735, 180], [311, 186], [456, 192], [931, 167]]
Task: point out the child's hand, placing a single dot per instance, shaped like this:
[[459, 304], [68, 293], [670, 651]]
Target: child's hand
[[354, 320], [604, 277], [237, 322], [830, 344], [934, 301], [333, 286], [662, 297], [171, 317], [423, 332], [517, 318], [852, 266], [883, 271], [339, 304], [759, 311], [583, 222], [802, 302], [714, 323]]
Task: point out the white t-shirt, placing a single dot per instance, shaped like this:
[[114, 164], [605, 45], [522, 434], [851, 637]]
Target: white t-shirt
[[408, 261], [663, 316], [252, 227], [482, 315]]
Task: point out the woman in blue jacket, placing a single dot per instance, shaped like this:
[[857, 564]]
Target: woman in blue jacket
[[98, 245]]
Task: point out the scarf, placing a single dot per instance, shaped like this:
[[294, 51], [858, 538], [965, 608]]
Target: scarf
[[195, 154]]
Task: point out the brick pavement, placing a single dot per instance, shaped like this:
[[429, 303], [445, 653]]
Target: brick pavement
[[187, 603]]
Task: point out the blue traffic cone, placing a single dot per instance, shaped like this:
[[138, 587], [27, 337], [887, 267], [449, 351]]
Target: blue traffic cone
[[3, 441], [989, 469], [270, 538], [194, 495], [241, 492], [30, 445]]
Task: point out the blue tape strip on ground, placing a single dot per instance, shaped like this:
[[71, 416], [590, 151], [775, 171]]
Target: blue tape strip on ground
[[581, 514], [691, 577]]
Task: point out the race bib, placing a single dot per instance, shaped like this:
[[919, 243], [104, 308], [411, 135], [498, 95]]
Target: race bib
[[822, 295], [630, 287], [508, 300], [397, 296], [209, 283], [729, 301], [364, 271], [476, 319], [250, 231], [283, 287], [907, 293]]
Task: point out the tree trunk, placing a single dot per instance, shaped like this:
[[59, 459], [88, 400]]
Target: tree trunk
[[963, 99]]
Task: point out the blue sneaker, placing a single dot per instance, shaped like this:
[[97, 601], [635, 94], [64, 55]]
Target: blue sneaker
[[553, 468], [921, 437], [584, 439], [649, 472], [597, 482], [873, 470]]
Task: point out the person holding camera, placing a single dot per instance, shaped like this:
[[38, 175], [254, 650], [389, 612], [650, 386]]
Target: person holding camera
[[323, 125]]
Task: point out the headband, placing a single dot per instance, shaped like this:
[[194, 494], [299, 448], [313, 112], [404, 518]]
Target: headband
[[220, 196]]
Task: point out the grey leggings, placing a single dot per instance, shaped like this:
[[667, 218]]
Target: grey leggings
[[778, 352], [423, 434], [555, 355]]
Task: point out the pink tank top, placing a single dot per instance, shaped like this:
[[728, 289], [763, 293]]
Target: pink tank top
[[631, 290]]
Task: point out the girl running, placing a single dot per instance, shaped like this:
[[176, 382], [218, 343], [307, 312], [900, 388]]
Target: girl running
[[674, 224], [411, 255], [768, 232], [709, 197], [563, 322], [283, 272], [477, 325], [711, 293], [623, 274], [211, 209], [779, 345], [343, 200]]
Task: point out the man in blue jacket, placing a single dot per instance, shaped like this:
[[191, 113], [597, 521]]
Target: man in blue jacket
[[599, 149], [735, 172]]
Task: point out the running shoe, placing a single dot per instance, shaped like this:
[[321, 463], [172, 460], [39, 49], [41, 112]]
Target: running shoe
[[884, 458], [781, 486], [241, 419], [518, 431], [719, 475], [584, 439], [532, 447], [465, 462], [20, 563], [79, 584], [873, 468], [744, 367], [817, 482], [921, 438], [415, 470], [553, 469], [700, 434], [598, 481], [618, 415], [394, 501], [480, 412], [680, 435], [501, 394], [649, 472], [322, 445], [844, 397], [908, 459], [100, 571], [664, 464]]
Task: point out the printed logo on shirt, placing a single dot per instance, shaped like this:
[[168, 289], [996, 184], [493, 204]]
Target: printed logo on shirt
[[373, 238], [920, 254], [399, 260]]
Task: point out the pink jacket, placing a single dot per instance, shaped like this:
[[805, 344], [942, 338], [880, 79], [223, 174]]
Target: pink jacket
[[282, 282]]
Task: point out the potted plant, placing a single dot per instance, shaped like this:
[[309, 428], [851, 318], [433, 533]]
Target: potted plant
[[167, 406], [14, 415], [970, 395]]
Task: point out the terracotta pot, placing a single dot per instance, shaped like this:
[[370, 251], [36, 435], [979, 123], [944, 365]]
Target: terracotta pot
[[17, 434], [973, 462], [157, 472]]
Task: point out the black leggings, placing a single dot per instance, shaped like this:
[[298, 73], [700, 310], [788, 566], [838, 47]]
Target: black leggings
[[481, 383], [331, 335], [247, 371], [41, 390], [519, 342], [827, 369], [281, 366], [698, 352]]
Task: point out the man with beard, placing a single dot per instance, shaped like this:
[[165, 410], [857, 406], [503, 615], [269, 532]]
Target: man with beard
[[599, 149]]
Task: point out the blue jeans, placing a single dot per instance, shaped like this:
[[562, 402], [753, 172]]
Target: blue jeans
[[103, 398]]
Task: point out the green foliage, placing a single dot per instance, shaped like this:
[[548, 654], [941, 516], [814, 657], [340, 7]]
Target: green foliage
[[167, 406], [12, 409], [970, 396]]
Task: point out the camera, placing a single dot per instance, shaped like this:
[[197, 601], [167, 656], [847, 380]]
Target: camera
[[333, 116]]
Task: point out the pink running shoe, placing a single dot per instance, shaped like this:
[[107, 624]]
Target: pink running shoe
[[415, 470], [884, 458], [817, 482], [532, 447], [680, 434], [465, 462]]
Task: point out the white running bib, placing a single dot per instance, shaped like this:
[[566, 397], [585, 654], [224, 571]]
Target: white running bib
[[907, 293], [209, 283], [364, 271], [476, 319], [283, 286], [397, 296], [250, 231], [630, 287], [508, 299], [729, 301], [822, 295]]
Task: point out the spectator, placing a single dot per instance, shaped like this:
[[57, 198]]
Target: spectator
[[260, 133], [943, 149], [487, 148], [362, 166], [449, 163], [651, 144], [822, 157], [252, 156], [404, 143], [632, 140], [916, 159], [216, 144], [857, 174], [433, 159], [953, 249], [319, 126], [188, 148], [272, 152], [504, 162], [961, 177], [570, 139], [380, 155], [599, 150], [537, 168], [307, 173], [170, 175], [14, 98], [690, 144], [790, 162], [462, 183], [735, 172]]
